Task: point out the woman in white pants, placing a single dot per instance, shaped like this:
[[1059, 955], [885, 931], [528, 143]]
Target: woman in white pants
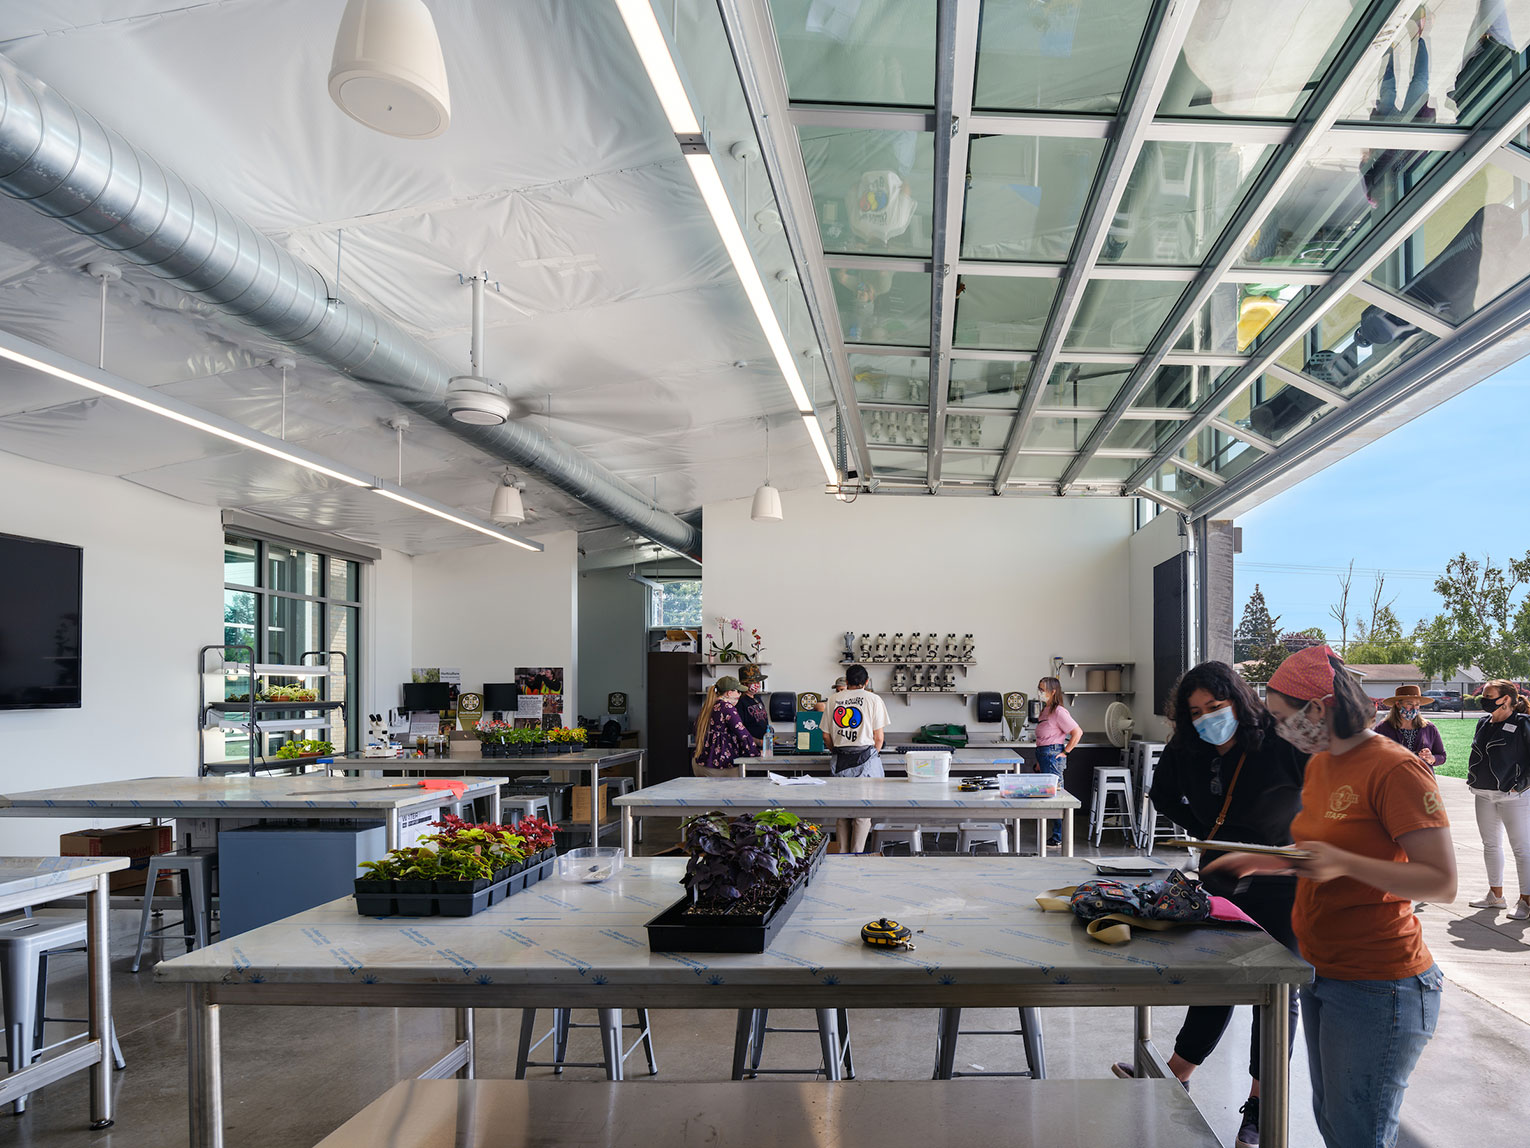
[[1498, 775]]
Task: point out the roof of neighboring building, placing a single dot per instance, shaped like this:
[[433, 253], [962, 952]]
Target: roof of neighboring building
[[1406, 672]]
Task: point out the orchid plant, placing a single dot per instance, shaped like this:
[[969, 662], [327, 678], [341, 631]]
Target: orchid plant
[[732, 647]]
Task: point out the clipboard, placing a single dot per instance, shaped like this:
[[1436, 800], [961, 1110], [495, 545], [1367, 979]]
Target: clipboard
[[1244, 847]]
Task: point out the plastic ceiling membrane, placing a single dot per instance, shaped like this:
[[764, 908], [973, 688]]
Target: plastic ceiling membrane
[[558, 176]]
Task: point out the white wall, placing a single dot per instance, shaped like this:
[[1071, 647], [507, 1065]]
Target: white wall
[[1028, 577], [612, 637], [489, 609], [153, 593], [390, 630], [1156, 542]]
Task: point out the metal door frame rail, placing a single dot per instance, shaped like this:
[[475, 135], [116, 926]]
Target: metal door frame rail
[[204, 1053]]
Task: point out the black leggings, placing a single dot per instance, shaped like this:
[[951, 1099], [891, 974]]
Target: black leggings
[[1268, 900]]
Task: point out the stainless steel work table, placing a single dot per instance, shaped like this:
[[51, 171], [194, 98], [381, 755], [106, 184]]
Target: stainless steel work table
[[982, 942], [853, 1114], [29, 881], [303, 796], [893, 798], [590, 761]]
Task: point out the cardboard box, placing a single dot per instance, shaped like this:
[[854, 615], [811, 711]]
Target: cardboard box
[[138, 842], [580, 814]]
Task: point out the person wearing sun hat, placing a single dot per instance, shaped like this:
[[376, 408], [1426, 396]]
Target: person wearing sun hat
[[1375, 838], [1407, 727], [720, 734]]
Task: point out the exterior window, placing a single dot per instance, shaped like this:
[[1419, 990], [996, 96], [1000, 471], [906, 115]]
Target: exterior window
[[676, 604], [292, 606]]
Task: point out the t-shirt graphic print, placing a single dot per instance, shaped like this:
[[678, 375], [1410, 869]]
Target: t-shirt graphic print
[[853, 716]]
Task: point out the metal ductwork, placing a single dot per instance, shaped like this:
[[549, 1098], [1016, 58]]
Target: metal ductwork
[[67, 165]]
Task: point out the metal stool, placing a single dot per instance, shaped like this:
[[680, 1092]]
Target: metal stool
[[833, 1037], [974, 833], [196, 867], [1112, 781], [613, 1055], [950, 1027], [26, 944], [1150, 823], [516, 808], [889, 832]]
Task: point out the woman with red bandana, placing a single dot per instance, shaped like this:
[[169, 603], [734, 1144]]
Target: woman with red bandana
[[1376, 838]]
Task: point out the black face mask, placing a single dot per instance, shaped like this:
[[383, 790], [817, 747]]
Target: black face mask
[[1490, 704]]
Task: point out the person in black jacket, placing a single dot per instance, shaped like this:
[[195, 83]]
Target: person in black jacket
[[1226, 775], [1498, 774], [751, 707]]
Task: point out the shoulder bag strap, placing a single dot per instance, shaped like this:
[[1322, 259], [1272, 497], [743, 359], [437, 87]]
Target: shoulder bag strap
[[1227, 801]]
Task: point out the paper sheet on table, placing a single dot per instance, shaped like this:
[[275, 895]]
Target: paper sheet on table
[[782, 779]]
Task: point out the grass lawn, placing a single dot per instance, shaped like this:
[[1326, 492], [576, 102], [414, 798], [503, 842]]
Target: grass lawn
[[1456, 733]]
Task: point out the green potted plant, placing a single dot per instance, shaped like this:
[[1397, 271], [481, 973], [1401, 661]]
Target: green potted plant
[[493, 738], [304, 748]]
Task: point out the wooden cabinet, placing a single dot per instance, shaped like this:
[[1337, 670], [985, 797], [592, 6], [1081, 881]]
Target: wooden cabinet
[[674, 704]]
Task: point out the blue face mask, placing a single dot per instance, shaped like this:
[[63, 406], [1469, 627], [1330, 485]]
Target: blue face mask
[[1217, 727]]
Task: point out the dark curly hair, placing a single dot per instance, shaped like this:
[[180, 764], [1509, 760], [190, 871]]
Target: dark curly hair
[[1221, 681]]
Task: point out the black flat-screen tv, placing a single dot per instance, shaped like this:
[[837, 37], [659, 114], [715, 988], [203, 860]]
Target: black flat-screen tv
[[500, 696], [426, 696], [40, 587]]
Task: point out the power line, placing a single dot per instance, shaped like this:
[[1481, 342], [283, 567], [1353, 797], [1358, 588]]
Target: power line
[[1297, 568]]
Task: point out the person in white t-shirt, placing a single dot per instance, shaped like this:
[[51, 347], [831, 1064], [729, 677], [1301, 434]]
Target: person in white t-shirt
[[853, 725]]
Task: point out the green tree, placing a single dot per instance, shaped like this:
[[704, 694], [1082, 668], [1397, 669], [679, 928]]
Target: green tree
[[679, 604], [1486, 620], [1257, 630]]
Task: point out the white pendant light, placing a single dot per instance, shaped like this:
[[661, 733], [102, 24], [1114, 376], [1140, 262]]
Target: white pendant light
[[507, 509], [767, 499], [388, 72]]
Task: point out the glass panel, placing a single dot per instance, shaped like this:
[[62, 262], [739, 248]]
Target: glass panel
[[1177, 199], [239, 560], [1469, 252], [891, 307], [852, 53], [987, 384], [295, 571], [1355, 343], [1274, 410], [1025, 196], [910, 428], [1046, 433], [1248, 58], [344, 580], [969, 465], [1447, 67], [871, 189], [1002, 312], [1236, 315], [1034, 466], [292, 629], [341, 684], [1335, 199], [1089, 385], [1121, 314], [1072, 55], [1140, 434], [898, 464], [891, 378], [1099, 469], [1180, 485], [239, 621], [1176, 388], [989, 432], [1218, 451]]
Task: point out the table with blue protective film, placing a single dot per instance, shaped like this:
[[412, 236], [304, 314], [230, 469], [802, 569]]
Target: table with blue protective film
[[981, 942], [880, 798]]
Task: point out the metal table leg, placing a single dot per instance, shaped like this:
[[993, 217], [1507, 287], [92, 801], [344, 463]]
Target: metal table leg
[[1041, 837], [204, 1055], [99, 988], [627, 841], [465, 1036], [595, 802], [391, 830], [1068, 832], [828, 1038], [1275, 1068]]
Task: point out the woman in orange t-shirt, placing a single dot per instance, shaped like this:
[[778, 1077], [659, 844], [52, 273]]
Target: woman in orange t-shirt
[[1376, 838]]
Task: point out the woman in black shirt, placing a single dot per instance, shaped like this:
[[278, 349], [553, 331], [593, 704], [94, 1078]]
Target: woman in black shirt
[[1226, 775]]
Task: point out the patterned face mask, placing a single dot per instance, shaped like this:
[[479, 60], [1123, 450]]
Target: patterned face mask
[[1408, 713], [1304, 734]]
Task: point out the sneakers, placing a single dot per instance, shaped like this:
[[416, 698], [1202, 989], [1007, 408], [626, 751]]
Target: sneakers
[[1248, 1131], [1520, 912], [1126, 1072], [1489, 902]]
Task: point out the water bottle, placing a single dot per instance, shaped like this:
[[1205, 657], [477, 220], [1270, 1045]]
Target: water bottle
[[770, 742]]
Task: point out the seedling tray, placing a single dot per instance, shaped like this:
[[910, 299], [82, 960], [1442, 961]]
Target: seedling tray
[[461, 899], [675, 931]]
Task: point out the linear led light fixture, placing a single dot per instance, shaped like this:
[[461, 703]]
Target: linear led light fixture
[[25, 353], [659, 63]]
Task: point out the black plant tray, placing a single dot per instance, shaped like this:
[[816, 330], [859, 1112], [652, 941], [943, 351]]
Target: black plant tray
[[675, 931], [426, 899]]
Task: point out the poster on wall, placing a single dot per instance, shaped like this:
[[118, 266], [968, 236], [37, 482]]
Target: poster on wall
[[546, 683], [451, 676]]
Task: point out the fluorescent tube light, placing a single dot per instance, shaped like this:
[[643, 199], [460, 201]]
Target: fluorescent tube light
[[704, 171], [643, 27], [815, 432], [442, 512]]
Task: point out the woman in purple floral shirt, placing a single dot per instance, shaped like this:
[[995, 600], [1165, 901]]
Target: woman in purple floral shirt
[[720, 733]]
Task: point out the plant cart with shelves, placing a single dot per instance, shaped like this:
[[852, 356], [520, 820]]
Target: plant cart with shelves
[[258, 718]]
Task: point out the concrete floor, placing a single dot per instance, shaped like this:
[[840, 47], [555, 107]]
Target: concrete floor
[[293, 1075]]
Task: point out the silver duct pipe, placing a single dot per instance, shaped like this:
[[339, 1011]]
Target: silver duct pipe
[[67, 165]]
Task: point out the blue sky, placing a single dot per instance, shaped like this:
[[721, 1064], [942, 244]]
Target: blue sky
[[1404, 505]]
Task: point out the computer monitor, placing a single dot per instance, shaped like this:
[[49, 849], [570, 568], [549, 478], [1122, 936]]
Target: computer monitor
[[499, 697], [427, 696]]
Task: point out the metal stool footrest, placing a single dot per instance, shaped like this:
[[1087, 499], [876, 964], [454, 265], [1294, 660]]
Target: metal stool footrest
[[949, 1029], [610, 1025], [833, 1031]]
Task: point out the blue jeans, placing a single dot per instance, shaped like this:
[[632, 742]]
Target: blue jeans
[[1363, 1039], [1050, 759]]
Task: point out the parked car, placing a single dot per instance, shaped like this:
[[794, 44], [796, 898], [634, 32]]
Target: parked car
[[1444, 699]]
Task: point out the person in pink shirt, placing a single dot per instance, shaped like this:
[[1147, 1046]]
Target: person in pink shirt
[[1057, 734]]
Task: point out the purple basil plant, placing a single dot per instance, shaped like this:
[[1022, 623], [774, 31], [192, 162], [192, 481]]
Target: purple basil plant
[[730, 857]]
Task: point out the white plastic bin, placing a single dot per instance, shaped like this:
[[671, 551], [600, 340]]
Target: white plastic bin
[[928, 764]]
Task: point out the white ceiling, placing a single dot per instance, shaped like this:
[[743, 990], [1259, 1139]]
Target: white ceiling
[[559, 177]]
